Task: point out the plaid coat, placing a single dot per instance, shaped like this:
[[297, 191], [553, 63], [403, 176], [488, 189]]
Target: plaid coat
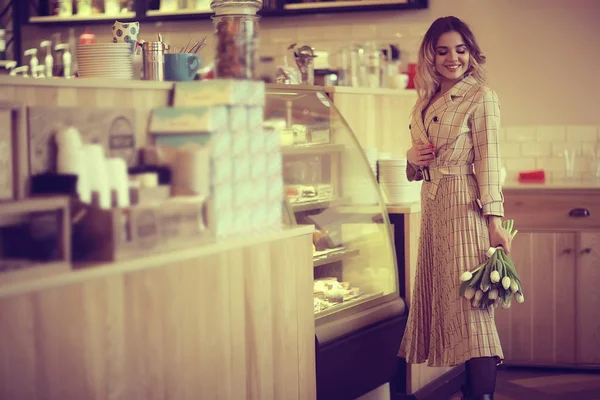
[[462, 187], [463, 127]]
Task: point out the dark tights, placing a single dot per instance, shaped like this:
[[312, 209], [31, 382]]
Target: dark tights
[[481, 376]]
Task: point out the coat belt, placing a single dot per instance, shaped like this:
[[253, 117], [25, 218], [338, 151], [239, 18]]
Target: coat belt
[[437, 173]]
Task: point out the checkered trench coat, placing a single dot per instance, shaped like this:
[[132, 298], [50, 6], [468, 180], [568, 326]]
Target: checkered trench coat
[[463, 187]]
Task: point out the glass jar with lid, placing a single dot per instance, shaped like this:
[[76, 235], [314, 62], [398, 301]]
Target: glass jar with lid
[[236, 31]]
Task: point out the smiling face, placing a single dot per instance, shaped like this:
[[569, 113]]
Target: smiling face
[[451, 57]]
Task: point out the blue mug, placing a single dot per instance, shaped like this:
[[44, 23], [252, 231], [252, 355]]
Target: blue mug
[[181, 66]]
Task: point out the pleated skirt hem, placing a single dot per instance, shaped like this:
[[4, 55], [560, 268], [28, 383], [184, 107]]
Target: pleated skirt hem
[[443, 328]]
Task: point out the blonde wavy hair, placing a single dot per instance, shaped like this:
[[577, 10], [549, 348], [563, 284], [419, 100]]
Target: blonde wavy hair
[[427, 79]]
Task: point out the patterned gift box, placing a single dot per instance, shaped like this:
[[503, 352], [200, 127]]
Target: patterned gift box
[[219, 92]]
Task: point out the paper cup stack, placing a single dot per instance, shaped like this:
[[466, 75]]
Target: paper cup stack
[[396, 187], [105, 60]]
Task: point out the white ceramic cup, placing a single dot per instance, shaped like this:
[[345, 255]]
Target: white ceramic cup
[[119, 180], [98, 174], [401, 81], [125, 32], [191, 171]]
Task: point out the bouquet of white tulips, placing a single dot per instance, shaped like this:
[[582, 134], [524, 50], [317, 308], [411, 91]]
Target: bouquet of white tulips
[[495, 281]]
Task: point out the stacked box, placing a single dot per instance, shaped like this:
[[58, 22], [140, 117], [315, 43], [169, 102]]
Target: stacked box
[[274, 178], [242, 187], [258, 169], [220, 92], [256, 181]]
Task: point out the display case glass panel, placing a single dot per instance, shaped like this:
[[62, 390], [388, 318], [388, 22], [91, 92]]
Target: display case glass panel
[[330, 184]]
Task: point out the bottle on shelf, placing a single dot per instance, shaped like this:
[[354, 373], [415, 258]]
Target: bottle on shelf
[[46, 45], [112, 7], [73, 52], [2, 43], [22, 70], [33, 61], [10, 66], [65, 8], [66, 59]]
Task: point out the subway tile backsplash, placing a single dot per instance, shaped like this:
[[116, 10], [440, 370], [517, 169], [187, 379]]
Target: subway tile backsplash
[[523, 147], [542, 147]]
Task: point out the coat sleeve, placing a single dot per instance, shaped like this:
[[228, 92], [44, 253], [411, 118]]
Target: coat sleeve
[[413, 173], [485, 125]]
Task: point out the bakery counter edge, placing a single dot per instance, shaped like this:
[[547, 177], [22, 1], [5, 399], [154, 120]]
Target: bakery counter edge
[[92, 83], [85, 83], [553, 185], [40, 277], [155, 85], [510, 187], [410, 208]]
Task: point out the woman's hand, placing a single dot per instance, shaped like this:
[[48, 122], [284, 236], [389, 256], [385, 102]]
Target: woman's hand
[[420, 154], [498, 235]]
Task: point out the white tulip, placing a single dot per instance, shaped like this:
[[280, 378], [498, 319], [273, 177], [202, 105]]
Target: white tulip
[[520, 298], [478, 295], [493, 294], [506, 282], [514, 287], [466, 276], [506, 305], [469, 293], [495, 276], [476, 303]]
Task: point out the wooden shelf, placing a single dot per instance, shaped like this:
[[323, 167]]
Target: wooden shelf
[[312, 149], [318, 204], [334, 257], [342, 4], [178, 13], [81, 18]]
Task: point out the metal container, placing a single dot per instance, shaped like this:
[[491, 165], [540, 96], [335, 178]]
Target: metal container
[[153, 54]]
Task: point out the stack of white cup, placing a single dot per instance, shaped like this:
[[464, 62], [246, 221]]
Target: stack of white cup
[[94, 172], [394, 183]]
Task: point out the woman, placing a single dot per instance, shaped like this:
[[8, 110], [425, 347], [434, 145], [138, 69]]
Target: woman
[[454, 129]]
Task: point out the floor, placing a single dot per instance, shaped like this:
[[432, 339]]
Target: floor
[[545, 384]]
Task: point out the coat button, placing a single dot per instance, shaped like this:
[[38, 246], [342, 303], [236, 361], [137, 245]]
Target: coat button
[[435, 119], [409, 126]]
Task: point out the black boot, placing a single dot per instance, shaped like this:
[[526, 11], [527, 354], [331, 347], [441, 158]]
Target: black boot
[[481, 379], [467, 396]]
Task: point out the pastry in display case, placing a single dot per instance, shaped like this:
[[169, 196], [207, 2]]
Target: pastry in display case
[[329, 184]]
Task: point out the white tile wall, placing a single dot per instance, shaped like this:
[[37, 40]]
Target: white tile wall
[[523, 147], [526, 148]]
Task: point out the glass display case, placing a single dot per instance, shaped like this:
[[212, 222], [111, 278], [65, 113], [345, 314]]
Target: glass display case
[[330, 184]]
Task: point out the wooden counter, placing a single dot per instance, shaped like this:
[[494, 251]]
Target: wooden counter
[[231, 320], [557, 256]]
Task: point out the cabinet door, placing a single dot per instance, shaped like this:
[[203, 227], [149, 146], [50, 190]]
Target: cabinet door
[[588, 298], [541, 331]]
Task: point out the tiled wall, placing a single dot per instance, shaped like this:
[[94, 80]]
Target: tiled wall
[[541, 106], [526, 148]]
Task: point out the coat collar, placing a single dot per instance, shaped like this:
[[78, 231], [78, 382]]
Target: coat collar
[[456, 93]]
